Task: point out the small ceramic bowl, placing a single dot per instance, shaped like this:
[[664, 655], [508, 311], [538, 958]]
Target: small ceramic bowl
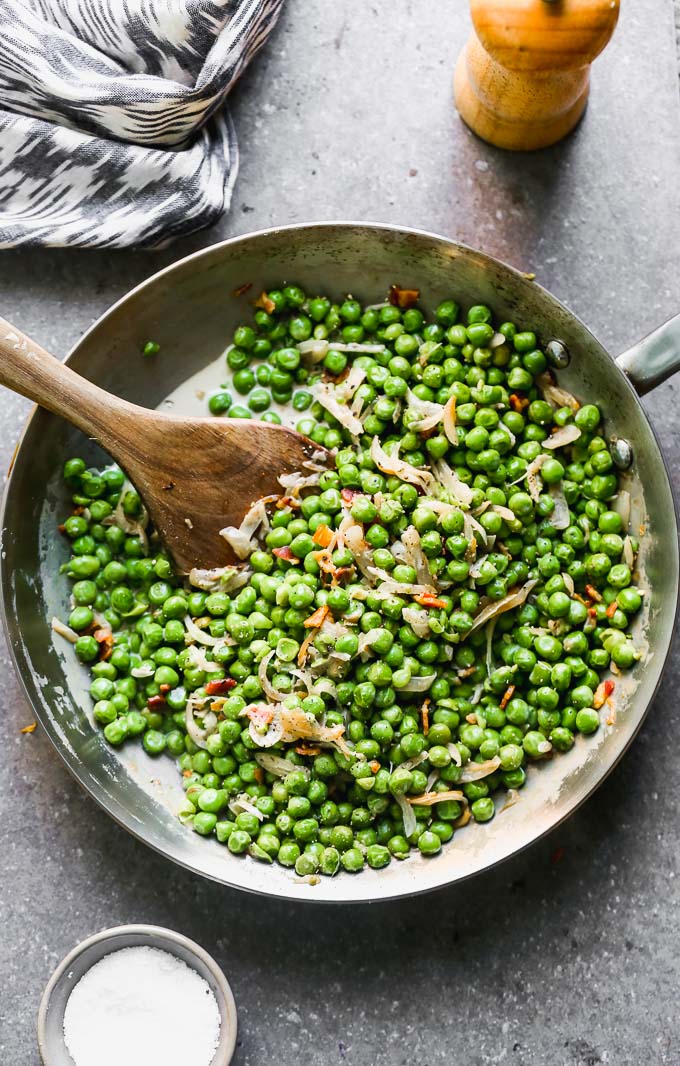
[[53, 1050]]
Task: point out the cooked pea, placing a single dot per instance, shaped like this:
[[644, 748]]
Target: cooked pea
[[87, 649], [238, 841], [116, 731], [259, 400], [154, 741], [587, 720], [220, 402], [429, 843]]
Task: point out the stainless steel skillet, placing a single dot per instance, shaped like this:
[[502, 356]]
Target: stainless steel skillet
[[189, 309]]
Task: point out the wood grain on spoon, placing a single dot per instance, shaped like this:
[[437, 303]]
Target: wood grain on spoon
[[195, 475]]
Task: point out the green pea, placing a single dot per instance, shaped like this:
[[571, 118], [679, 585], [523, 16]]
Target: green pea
[[259, 400], [619, 577], [624, 654], [629, 600], [377, 856], [84, 566], [511, 756], [429, 843], [80, 618], [73, 470], [520, 379], [534, 744], [587, 720], [87, 649], [479, 333], [104, 712], [238, 841], [116, 732], [561, 738], [524, 341], [352, 860], [219, 402], [587, 418], [154, 742], [482, 809], [447, 313], [84, 593], [552, 471]]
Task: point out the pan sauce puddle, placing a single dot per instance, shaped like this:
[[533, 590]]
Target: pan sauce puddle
[[191, 397]]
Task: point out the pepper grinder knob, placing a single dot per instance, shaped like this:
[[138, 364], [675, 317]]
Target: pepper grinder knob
[[522, 80]]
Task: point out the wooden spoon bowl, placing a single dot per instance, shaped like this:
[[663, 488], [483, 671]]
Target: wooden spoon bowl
[[195, 475]]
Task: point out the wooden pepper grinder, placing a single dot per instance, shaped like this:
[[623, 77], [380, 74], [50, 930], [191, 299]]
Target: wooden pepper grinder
[[522, 80]]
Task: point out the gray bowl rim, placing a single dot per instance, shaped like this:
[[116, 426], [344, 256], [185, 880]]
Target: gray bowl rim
[[162, 935]]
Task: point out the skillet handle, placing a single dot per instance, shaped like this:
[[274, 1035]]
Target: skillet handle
[[653, 359]]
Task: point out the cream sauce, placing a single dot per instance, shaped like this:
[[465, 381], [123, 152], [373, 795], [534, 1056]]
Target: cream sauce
[[191, 397]]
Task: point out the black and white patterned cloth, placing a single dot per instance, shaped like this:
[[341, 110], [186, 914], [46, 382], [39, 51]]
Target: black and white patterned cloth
[[113, 131]]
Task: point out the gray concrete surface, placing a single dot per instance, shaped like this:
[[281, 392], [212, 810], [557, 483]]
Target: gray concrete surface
[[567, 955]]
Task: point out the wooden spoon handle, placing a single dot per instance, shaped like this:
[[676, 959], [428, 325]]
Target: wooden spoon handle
[[27, 368]]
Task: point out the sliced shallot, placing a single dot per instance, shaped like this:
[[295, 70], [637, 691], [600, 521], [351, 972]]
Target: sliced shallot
[[418, 619], [275, 764], [475, 771], [408, 814], [450, 481], [515, 599], [201, 637], [267, 687], [563, 436], [64, 631], [429, 414], [428, 799], [241, 538], [419, 684], [449, 421], [325, 394], [392, 464], [225, 578]]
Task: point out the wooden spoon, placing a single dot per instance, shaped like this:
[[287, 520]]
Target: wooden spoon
[[195, 475]]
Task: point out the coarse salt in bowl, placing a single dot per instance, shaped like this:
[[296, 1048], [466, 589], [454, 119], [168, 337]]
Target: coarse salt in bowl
[[161, 965]]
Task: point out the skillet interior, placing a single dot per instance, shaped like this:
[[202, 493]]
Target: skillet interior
[[190, 309]]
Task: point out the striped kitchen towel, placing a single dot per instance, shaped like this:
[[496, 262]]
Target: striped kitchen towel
[[113, 131]]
